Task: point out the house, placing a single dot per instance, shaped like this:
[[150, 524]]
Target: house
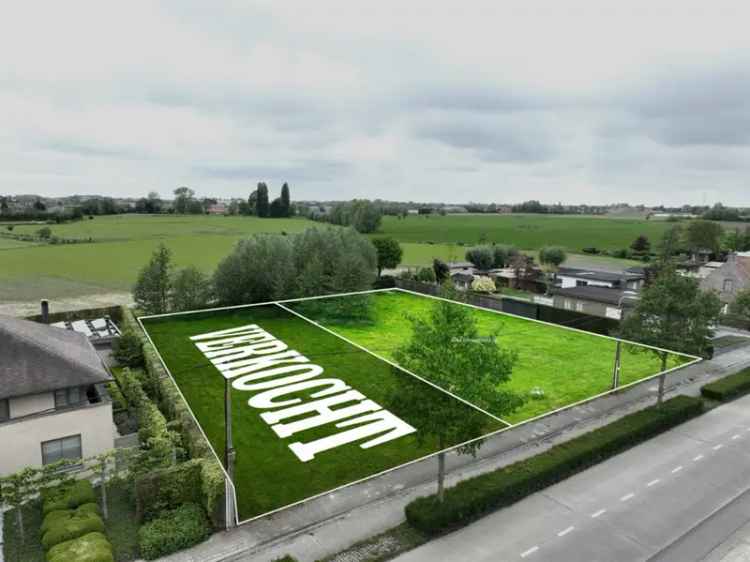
[[594, 300], [217, 209], [733, 276], [462, 280], [568, 277], [53, 404]]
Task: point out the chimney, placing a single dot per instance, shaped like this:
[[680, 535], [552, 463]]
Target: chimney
[[45, 311]]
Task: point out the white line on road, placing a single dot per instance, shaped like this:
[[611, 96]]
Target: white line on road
[[736, 436], [626, 497], [532, 550], [699, 457], [653, 482], [565, 531], [598, 513], [676, 469], [717, 447]]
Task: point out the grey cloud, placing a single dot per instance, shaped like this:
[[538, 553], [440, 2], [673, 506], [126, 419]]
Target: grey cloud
[[91, 150], [308, 170]]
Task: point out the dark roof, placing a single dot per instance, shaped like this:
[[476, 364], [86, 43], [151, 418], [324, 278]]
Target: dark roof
[[598, 275], [463, 277], [38, 358], [598, 294]]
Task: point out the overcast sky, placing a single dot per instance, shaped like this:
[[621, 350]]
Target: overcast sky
[[574, 101]]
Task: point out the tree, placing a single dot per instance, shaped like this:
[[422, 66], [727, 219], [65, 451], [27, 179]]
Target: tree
[[39, 205], [551, 257], [4, 205], [426, 275], [365, 216], [641, 245], [251, 207], [741, 306], [483, 284], [389, 253], [503, 254], [703, 235], [152, 289], [285, 200], [672, 313], [45, 233], [481, 256], [446, 347], [276, 209], [128, 349], [182, 198], [441, 269], [262, 208], [671, 243], [191, 289]]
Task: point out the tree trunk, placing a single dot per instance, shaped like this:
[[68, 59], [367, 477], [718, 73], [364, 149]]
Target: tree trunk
[[103, 483], [441, 477], [19, 520], [662, 379]]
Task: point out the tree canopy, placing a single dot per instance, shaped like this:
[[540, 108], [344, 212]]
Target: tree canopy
[[389, 253], [153, 287], [482, 257]]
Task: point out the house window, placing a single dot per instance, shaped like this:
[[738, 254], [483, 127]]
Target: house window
[[65, 448], [579, 306], [4, 410], [728, 285], [580, 283], [66, 397], [568, 304]]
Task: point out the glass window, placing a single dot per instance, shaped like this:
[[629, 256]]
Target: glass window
[[67, 397], [728, 285], [65, 448], [4, 410]]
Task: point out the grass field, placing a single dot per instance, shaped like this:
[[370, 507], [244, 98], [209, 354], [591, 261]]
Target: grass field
[[568, 366], [268, 474], [124, 242]]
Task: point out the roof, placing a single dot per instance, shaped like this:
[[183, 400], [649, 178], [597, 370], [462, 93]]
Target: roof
[[39, 358], [598, 294], [598, 275], [464, 277]]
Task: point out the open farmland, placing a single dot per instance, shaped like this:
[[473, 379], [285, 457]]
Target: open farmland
[[566, 365]]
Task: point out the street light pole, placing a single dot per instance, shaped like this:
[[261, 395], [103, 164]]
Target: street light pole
[[616, 368], [229, 452]]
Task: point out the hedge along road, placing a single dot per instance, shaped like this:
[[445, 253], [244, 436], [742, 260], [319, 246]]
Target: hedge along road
[[270, 475]]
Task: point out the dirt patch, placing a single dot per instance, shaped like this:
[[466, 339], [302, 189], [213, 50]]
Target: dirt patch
[[96, 300]]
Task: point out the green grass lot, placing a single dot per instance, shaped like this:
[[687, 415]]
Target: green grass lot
[[573, 232], [268, 474], [568, 366]]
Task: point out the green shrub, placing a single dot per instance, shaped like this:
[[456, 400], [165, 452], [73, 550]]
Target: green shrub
[[76, 525], [128, 349], [212, 487], [173, 530], [166, 489], [92, 547], [118, 400], [472, 498], [52, 516], [68, 496], [728, 387]]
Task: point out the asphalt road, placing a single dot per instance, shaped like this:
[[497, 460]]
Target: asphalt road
[[673, 498]]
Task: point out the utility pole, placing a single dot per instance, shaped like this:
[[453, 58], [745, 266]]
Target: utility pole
[[229, 453], [616, 368]]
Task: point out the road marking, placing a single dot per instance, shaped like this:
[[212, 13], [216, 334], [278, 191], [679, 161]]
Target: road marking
[[565, 531], [626, 497], [676, 469], [717, 447], [532, 550], [598, 513], [699, 457], [654, 481], [736, 436]]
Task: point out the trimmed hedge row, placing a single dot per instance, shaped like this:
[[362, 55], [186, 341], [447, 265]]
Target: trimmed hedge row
[[473, 498], [71, 496], [71, 526], [167, 489], [173, 530], [92, 547], [728, 387]]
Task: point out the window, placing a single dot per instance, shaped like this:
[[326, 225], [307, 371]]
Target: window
[[579, 306], [728, 285], [67, 397], [65, 448], [4, 410], [580, 283]]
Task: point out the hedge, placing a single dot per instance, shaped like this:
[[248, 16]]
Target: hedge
[[174, 530], [166, 489], [728, 387], [75, 525], [68, 497], [57, 515], [477, 496], [92, 547]]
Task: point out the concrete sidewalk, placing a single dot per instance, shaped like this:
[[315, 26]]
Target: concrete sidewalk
[[359, 512]]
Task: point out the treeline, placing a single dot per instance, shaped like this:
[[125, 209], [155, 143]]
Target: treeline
[[257, 204]]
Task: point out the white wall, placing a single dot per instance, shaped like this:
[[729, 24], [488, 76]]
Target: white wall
[[567, 282], [32, 404], [21, 441]]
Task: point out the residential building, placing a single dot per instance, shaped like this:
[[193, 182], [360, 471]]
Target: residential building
[[730, 278], [217, 209], [605, 302], [53, 403], [568, 277]]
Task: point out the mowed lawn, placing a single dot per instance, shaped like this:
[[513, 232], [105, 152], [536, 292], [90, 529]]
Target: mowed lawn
[[573, 232], [567, 365], [268, 474]]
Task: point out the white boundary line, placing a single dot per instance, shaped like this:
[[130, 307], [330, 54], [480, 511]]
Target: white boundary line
[[696, 359]]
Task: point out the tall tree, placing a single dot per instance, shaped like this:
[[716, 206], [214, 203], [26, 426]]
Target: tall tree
[[182, 198], [671, 243], [641, 245], [286, 202], [191, 289], [262, 207], [551, 258], [153, 287], [276, 209], [389, 253], [441, 269], [446, 347], [703, 235], [672, 313], [481, 256]]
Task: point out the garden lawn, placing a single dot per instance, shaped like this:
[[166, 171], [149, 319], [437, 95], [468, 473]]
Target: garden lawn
[[567, 365], [268, 474]]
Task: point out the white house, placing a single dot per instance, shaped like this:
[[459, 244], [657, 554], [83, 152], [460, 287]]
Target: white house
[[568, 277], [52, 401]]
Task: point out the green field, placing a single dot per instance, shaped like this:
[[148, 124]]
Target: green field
[[567, 365], [123, 244], [268, 474]]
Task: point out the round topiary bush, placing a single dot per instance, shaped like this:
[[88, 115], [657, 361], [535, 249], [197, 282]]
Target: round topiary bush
[[92, 547], [66, 528]]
